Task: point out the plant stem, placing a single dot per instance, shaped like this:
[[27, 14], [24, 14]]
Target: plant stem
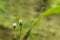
[[20, 30]]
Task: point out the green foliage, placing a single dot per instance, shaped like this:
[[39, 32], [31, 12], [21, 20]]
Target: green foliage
[[53, 10], [13, 10]]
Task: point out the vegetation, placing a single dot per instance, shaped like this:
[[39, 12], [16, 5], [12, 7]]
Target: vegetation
[[41, 19]]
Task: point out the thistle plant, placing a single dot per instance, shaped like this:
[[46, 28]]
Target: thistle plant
[[14, 26], [20, 24], [34, 22]]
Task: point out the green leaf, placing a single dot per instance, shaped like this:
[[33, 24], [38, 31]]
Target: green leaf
[[53, 10]]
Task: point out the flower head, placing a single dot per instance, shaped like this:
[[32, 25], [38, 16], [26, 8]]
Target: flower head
[[14, 25], [20, 22]]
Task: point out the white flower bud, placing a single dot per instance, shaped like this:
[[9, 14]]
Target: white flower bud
[[20, 21], [14, 24]]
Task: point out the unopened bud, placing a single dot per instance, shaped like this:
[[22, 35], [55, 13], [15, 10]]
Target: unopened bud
[[14, 25], [20, 22]]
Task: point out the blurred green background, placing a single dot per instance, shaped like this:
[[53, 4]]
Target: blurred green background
[[47, 28]]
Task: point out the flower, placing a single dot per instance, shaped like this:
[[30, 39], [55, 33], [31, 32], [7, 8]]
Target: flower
[[20, 22], [14, 25]]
